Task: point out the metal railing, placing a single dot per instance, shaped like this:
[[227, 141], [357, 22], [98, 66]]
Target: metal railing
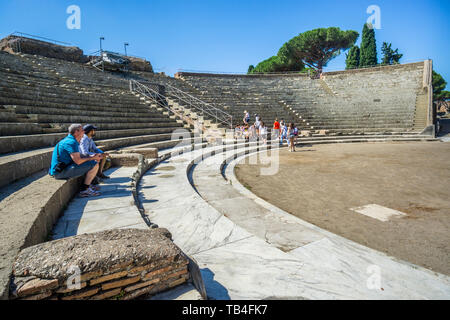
[[34, 37], [219, 115], [147, 91], [188, 100], [20, 35]]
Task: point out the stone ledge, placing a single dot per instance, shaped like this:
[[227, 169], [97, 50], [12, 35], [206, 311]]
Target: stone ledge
[[126, 159], [119, 263], [30, 214]]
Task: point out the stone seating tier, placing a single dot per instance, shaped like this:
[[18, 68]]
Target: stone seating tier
[[388, 94]]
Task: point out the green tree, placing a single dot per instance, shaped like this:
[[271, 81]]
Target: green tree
[[250, 69], [368, 55], [352, 61], [317, 47], [390, 56], [439, 85], [274, 64]]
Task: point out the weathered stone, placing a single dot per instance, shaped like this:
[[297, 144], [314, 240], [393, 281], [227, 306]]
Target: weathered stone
[[13, 44], [126, 159], [90, 275], [148, 153], [37, 285], [142, 284], [96, 251], [175, 274], [120, 266], [85, 294], [146, 290], [67, 290], [137, 270], [139, 64], [107, 294], [177, 282], [108, 277], [39, 296], [157, 272], [120, 283]]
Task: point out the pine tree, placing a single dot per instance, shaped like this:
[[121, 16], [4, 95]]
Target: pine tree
[[390, 56], [368, 55], [352, 61]]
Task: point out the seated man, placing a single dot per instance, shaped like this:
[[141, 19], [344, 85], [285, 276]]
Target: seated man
[[88, 148], [67, 153]]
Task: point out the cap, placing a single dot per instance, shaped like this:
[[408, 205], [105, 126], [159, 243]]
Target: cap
[[89, 127]]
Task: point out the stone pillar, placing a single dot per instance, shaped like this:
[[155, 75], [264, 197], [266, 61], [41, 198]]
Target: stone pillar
[[427, 85]]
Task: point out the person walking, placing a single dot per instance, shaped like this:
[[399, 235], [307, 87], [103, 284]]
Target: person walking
[[263, 132], [246, 117], [276, 129], [291, 136], [283, 136], [257, 123]]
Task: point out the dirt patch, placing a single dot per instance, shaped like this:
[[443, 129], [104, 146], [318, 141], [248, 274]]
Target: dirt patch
[[165, 176], [321, 186], [167, 168]]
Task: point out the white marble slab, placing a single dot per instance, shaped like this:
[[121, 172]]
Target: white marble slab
[[356, 271], [379, 212], [114, 208]]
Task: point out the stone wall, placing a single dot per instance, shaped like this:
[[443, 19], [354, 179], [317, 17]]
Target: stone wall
[[118, 264], [139, 64], [372, 100], [17, 44], [14, 44]]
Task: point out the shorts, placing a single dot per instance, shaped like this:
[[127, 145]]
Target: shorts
[[74, 170]]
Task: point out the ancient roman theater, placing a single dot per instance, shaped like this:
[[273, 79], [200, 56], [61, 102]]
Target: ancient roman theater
[[194, 209]]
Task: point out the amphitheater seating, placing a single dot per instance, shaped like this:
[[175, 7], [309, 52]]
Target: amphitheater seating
[[235, 94], [40, 97], [362, 101]]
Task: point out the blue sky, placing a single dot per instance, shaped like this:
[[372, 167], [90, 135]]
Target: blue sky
[[229, 35]]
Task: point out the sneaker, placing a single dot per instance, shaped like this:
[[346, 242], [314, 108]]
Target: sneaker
[[102, 175], [94, 187], [89, 193]]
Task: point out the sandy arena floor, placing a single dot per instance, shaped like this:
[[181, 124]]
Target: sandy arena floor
[[322, 183]]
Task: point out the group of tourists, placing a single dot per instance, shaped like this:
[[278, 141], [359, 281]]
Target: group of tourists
[[280, 131], [77, 155], [251, 132]]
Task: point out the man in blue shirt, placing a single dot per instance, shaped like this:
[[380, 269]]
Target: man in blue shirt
[[88, 148], [67, 152]]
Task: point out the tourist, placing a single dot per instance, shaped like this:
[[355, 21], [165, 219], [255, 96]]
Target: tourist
[[257, 123], [246, 117], [67, 162], [263, 132], [88, 148], [237, 132], [283, 135], [276, 129], [252, 133], [246, 132], [291, 136]]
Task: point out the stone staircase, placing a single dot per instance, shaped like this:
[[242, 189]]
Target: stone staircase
[[421, 112]]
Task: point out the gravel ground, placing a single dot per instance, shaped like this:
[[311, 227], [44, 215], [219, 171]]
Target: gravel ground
[[321, 183]]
